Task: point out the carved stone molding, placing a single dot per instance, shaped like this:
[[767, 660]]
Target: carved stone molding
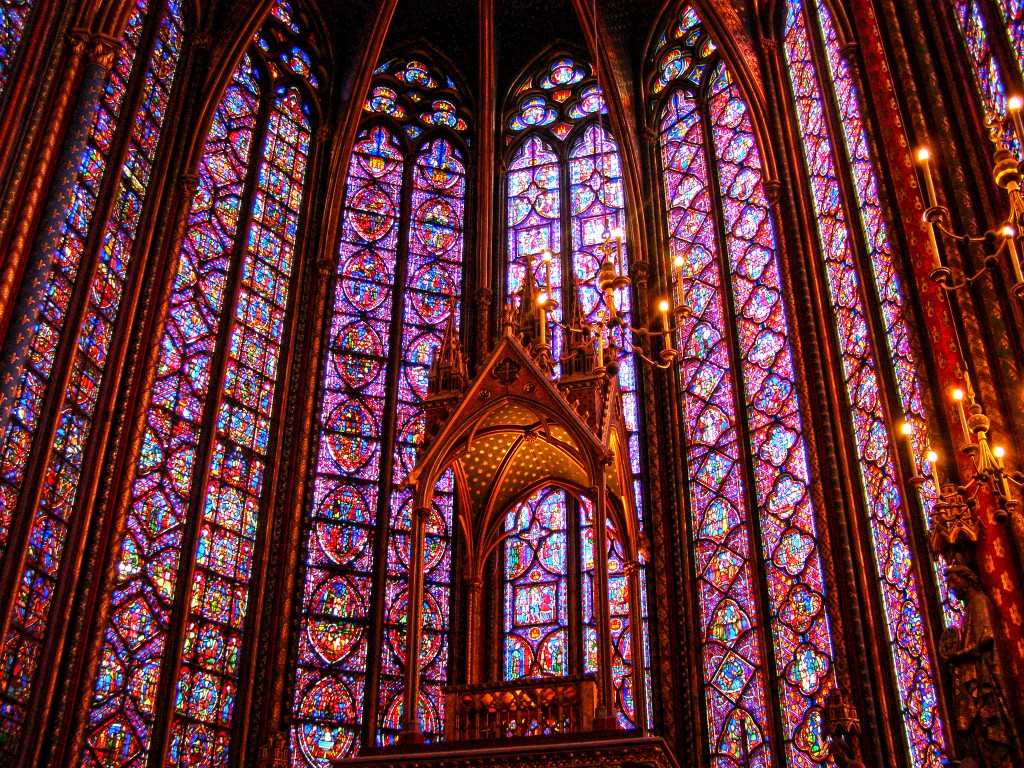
[[842, 728], [592, 750], [323, 133], [769, 47], [202, 41], [102, 50], [78, 39]]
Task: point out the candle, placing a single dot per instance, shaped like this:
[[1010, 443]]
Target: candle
[[1011, 241], [619, 235], [600, 346], [546, 257], [1015, 104], [664, 307], [542, 302], [936, 258], [958, 396], [933, 460], [999, 452], [924, 156]]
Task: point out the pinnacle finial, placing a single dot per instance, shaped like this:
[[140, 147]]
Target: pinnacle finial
[[448, 372]]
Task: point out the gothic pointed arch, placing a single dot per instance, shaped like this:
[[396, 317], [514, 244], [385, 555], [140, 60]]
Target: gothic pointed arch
[[399, 278], [196, 532], [765, 638], [565, 206]]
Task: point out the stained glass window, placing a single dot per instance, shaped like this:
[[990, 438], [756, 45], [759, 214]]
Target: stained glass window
[[14, 16], [725, 268], [886, 503], [433, 285], [394, 296], [1013, 14], [560, 145], [536, 595], [986, 67], [193, 523], [51, 510]]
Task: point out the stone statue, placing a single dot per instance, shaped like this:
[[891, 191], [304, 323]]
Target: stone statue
[[981, 709], [842, 728]]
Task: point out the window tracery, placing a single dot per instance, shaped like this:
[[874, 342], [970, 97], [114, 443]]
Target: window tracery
[[746, 455], [194, 521], [839, 227], [50, 509], [14, 16], [399, 281], [565, 197]]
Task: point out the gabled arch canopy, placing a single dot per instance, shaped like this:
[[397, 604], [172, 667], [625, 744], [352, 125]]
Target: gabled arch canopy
[[514, 431]]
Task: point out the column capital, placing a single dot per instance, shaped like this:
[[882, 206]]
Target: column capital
[[849, 53], [769, 47], [102, 50], [78, 38], [324, 267], [188, 185], [202, 41], [323, 133]]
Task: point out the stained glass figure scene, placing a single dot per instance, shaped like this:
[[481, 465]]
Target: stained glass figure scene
[[395, 295], [193, 528], [729, 277]]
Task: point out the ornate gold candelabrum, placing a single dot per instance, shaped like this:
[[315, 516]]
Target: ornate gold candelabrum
[[609, 319], [1008, 173], [954, 524]]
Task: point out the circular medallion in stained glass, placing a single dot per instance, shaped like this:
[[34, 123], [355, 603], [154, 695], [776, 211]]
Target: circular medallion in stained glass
[[365, 279], [434, 289], [437, 225], [327, 701], [372, 213], [331, 640], [352, 434], [343, 544], [344, 502], [440, 167], [435, 552], [360, 345]]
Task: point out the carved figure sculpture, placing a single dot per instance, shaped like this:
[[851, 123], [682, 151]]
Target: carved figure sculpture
[[981, 715]]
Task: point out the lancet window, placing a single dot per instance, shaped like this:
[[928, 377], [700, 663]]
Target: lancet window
[[839, 158], [194, 529], [565, 208], [753, 522], [86, 255], [398, 284], [14, 17], [993, 34]]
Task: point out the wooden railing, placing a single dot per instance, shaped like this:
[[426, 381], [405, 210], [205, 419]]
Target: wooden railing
[[541, 707]]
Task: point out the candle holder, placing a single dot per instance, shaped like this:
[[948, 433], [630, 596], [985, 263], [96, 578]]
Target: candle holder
[[1008, 173], [954, 522], [610, 321]]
